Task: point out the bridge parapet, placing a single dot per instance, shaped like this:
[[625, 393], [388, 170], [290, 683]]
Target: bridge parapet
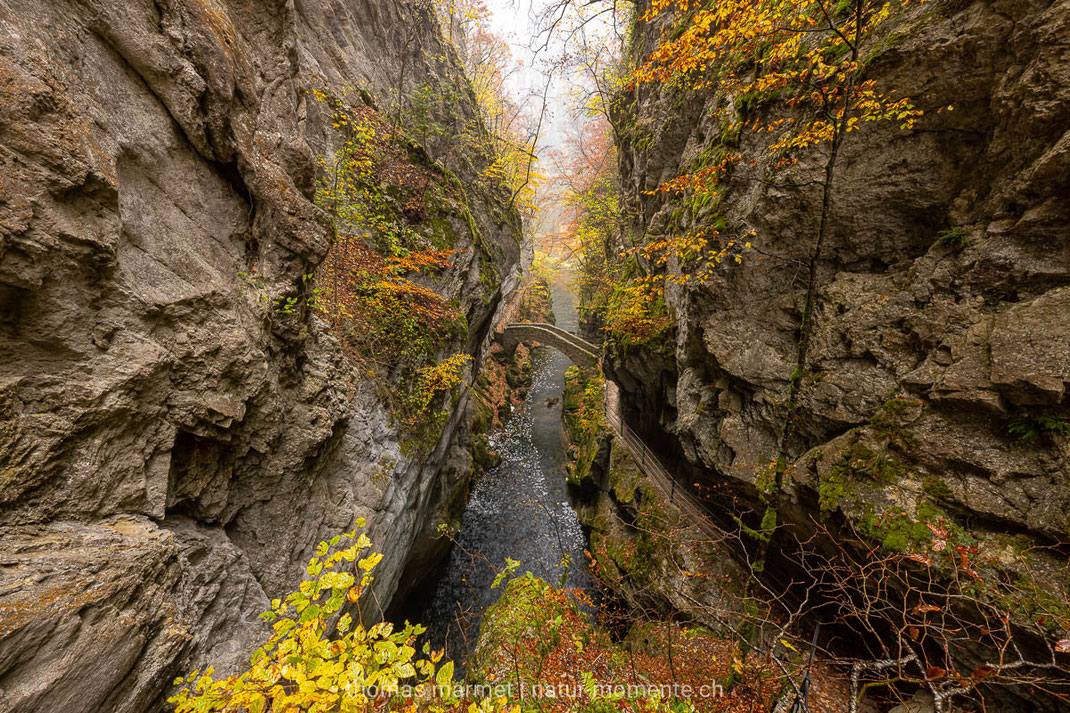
[[582, 353]]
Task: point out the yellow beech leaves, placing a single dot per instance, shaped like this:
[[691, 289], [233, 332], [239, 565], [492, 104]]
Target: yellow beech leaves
[[780, 78], [308, 664], [803, 53]]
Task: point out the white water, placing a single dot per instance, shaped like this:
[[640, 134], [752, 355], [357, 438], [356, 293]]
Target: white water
[[520, 510]]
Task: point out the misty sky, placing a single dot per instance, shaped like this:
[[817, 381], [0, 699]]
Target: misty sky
[[515, 22]]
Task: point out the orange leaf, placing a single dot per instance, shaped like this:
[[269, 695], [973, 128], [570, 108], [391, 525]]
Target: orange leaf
[[933, 673]]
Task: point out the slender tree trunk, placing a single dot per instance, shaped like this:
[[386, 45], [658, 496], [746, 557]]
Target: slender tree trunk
[[806, 324], [672, 663], [769, 528]]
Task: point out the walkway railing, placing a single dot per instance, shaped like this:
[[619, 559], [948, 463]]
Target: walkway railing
[[658, 475]]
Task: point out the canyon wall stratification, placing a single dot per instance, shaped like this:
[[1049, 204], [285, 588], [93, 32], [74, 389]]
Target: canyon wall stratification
[[925, 353], [171, 447]]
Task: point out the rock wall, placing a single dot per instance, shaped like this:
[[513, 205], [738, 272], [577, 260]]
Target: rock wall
[[920, 351], [170, 449]]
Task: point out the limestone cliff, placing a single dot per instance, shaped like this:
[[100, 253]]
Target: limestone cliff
[[171, 449], [930, 357], [979, 334]]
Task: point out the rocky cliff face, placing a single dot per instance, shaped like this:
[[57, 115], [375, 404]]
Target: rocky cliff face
[[921, 351], [171, 449]]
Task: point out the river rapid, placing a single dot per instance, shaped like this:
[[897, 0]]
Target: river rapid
[[519, 510]]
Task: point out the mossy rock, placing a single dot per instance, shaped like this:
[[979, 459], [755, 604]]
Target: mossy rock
[[482, 417], [938, 489], [895, 529], [529, 610], [483, 455], [513, 377], [857, 467], [891, 420], [624, 475]]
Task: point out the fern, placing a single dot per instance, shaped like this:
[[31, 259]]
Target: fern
[[1025, 428], [953, 238]]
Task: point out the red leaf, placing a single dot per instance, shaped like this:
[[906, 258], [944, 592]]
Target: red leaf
[[933, 673], [937, 531], [982, 671], [920, 558], [1062, 646]]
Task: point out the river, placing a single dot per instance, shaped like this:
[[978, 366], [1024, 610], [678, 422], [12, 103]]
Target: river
[[519, 510]]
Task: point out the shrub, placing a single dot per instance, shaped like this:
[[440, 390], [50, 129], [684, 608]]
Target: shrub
[[316, 659]]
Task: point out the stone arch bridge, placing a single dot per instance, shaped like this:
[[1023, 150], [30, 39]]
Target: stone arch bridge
[[582, 353]]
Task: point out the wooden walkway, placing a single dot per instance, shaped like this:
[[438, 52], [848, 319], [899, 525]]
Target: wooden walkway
[[659, 477]]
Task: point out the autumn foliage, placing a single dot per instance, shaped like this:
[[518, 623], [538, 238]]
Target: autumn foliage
[[508, 131], [540, 638], [791, 74], [319, 659], [804, 54], [371, 286]]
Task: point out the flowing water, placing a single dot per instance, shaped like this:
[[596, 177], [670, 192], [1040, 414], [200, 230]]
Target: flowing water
[[520, 510]]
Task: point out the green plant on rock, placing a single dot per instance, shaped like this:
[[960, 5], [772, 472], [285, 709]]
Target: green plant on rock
[[1025, 428], [956, 238], [585, 420], [415, 405], [350, 189], [393, 326], [834, 488], [889, 423], [857, 464], [894, 529], [636, 315], [525, 626], [624, 475], [935, 487]]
